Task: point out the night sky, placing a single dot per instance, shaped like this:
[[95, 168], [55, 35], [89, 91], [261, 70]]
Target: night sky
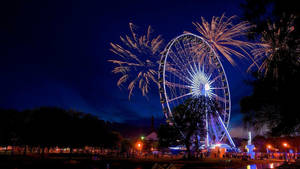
[[54, 53]]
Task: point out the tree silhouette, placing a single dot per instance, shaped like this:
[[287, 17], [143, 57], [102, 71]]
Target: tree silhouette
[[47, 127], [273, 105], [189, 119]]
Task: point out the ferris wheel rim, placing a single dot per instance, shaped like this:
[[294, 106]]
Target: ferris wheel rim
[[164, 61]]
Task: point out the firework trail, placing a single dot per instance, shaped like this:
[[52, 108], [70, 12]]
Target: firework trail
[[225, 37], [138, 59]]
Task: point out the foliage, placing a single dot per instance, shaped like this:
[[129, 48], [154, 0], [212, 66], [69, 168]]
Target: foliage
[[259, 12], [278, 44], [189, 119], [168, 136], [125, 145], [273, 105]]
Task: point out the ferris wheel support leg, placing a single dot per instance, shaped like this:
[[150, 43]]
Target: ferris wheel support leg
[[226, 131], [214, 128], [207, 136]]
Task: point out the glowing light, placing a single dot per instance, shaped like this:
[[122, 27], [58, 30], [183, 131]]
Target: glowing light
[[200, 84], [252, 166], [269, 146], [207, 87], [285, 144], [142, 137], [177, 148], [218, 145], [139, 145]]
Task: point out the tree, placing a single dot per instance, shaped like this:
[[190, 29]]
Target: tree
[[168, 136], [260, 143], [189, 119], [47, 127], [272, 105]]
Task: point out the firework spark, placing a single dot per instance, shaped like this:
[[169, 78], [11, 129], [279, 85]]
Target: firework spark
[[226, 37], [139, 58]]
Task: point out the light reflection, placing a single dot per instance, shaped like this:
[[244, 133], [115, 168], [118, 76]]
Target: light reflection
[[252, 166], [262, 166]]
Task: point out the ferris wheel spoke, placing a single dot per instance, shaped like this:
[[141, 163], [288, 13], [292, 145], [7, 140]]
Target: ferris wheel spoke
[[179, 64], [212, 68], [214, 79], [178, 97], [218, 88], [180, 50], [189, 52], [219, 98], [190, 45], [179, 75], [184, 57], [177, 85], [176, 60], [200, 52]]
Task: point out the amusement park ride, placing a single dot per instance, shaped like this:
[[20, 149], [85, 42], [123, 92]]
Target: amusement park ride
[[190, 68]]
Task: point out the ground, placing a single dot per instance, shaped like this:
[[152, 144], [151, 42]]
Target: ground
[[95, 162]]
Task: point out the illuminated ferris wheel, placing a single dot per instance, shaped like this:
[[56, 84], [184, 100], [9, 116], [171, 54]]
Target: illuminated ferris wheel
[[190, 68]]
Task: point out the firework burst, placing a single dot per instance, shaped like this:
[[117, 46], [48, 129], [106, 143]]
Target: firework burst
[[226, 37], [138, 59], [275, 40]]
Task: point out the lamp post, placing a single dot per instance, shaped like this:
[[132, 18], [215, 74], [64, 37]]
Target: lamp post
[[268, 150], [285, 145], [139, 146]]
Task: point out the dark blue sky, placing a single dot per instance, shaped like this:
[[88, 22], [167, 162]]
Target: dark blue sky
[[54, 53]]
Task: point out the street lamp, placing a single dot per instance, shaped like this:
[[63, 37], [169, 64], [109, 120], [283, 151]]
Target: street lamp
[[139, 145], [285, 145], [268, 148]]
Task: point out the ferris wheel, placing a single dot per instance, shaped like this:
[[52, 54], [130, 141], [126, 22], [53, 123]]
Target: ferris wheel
[[190, 68]]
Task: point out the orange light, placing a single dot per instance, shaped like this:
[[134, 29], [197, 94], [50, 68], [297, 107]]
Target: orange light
[[269, 146], [285, 144], [139, 145]]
